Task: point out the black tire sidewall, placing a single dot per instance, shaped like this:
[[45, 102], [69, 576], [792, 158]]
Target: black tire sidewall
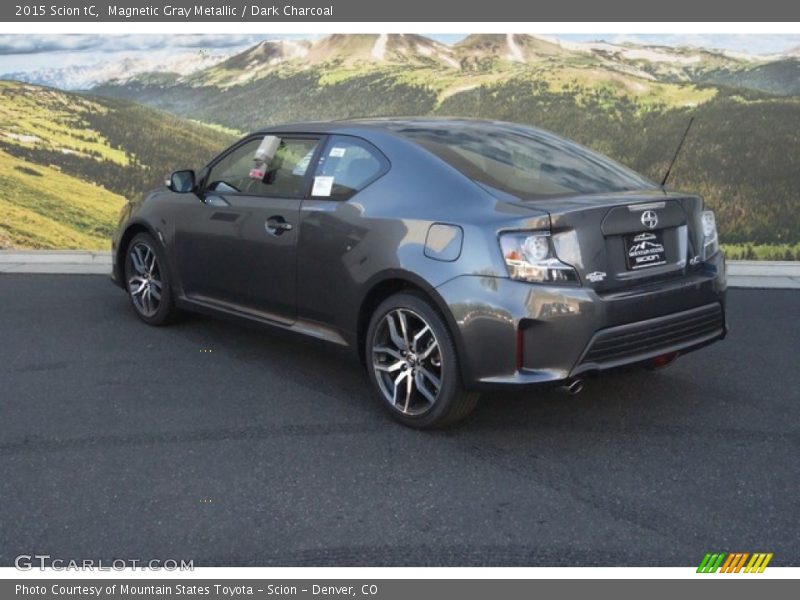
[[451, 376], [165, 308]]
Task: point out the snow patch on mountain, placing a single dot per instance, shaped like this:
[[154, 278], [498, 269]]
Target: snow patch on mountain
[[379, 49], [514, 51], [298, 48], [653, 54], [87, 76]]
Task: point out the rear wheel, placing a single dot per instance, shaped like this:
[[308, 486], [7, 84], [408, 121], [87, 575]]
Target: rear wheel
[[413, 364], [147, 280]]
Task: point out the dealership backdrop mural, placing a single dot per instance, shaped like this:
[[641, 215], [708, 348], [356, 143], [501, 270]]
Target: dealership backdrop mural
[[86, 121]]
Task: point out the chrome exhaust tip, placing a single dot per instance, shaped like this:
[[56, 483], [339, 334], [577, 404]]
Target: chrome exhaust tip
[[573, 387]]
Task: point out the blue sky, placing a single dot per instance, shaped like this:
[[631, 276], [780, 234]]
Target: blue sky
[[33, 52]]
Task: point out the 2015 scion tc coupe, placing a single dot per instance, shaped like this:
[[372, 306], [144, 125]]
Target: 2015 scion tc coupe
[[453, 255]]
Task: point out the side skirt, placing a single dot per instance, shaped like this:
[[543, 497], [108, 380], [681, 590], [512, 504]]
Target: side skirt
[[303, 327]]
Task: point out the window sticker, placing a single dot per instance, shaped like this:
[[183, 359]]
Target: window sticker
[[337, 152], [323, 186]]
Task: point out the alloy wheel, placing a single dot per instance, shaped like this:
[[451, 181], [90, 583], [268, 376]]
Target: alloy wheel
[[407, 361], [144, 279]]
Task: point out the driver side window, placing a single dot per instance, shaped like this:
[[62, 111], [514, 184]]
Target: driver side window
[[284, 177]]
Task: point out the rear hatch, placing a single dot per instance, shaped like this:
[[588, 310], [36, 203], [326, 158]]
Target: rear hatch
[[617, 241]]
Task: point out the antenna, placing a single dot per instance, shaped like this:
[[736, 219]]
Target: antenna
[[677, 151]]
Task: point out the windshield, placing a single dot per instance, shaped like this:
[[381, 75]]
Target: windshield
[[525, 162]]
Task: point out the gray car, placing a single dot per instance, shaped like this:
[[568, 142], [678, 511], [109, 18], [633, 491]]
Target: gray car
[[452, 255]]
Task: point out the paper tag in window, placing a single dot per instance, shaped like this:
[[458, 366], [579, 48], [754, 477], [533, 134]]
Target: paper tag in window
[[337, 152], [322, 186]]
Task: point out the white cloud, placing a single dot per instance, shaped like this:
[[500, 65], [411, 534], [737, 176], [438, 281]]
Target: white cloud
[[26, 53], [754, 44], [35, 44]]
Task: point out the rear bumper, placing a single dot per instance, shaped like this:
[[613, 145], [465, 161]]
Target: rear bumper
[[563, 332], [643, 340]]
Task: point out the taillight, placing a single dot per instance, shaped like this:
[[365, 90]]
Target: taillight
[[710, 236], [529, 256]]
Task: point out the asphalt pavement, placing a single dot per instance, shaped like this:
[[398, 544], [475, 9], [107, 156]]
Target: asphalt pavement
[[233, 445]]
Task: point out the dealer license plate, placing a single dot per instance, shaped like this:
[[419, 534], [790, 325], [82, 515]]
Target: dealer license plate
[[643, 250]]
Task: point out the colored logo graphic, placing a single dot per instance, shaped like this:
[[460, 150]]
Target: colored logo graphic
[[735, 562]]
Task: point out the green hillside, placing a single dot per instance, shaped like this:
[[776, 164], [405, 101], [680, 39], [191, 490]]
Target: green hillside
[[735, 156], [42, 207], [67, 162], [631, 103], [780, 77]]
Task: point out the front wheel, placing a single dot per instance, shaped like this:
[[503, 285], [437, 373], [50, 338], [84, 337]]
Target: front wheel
[[147, 280], [413, 363]]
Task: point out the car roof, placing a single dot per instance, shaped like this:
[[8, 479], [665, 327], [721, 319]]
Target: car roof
[[392, 125]]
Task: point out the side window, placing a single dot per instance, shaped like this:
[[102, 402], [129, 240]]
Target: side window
[[284, 177], [348, 165]]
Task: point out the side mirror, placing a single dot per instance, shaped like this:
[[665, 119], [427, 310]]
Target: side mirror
[[181, 182]]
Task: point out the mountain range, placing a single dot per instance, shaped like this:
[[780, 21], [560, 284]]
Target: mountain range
[[629, 101], [481, 52], [770, 73], [84, 77]]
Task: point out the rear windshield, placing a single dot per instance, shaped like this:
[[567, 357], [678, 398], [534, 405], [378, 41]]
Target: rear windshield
[[525, 162]]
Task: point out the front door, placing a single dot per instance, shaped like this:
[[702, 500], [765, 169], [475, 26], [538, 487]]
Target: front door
[[237, 249]]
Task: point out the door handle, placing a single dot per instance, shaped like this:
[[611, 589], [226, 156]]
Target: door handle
[[277, 225]]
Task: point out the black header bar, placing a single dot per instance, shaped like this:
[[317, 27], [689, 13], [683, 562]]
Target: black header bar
[[406, 11]]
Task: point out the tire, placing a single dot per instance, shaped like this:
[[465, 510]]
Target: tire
[[405, 367], [148, 282]]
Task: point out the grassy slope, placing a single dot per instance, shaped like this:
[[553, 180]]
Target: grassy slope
[[104, 150], [41, 207], [55, 121], [779, 77]]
